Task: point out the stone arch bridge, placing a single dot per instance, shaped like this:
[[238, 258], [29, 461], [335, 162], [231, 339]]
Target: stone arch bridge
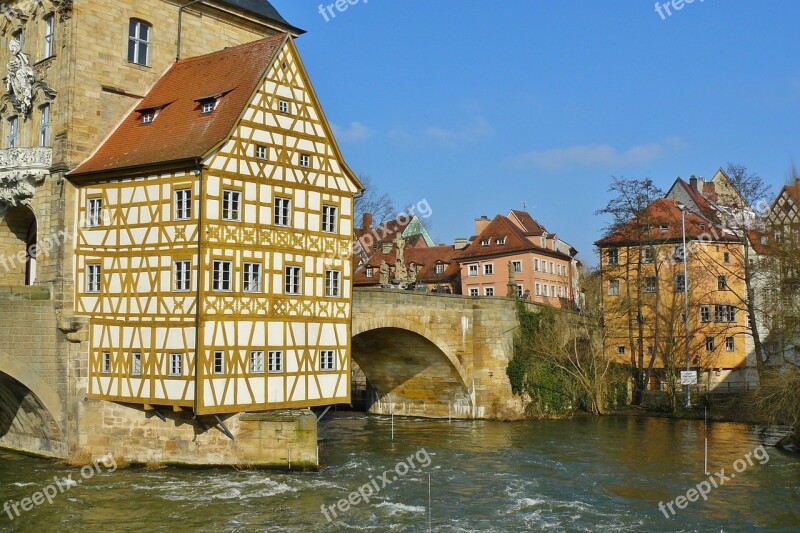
[[435, 355]]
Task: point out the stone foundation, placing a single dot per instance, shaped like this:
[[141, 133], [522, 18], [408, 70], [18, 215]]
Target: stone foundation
[[265, 440]]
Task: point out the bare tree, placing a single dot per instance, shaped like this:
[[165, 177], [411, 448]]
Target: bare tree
[[373, 201]]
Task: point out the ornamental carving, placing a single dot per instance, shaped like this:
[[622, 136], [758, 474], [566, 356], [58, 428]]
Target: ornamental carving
[[21, 169], [19, 83]]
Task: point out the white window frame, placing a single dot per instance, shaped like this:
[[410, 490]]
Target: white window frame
[[613, 287], [44, 125], [222, 276], [536, 265], [257, 361], [517, 266], [305, 160], [333, 283], [176, 364], [138, 43], [705, 314], [49, 35], [208, 106], [546, 291], [327, 360], [612, 256], [251, 281], [106, 362], [538, 289], [219, 362], [182, 275], [370, 272], [730, 344], [648, 287], [488, 291], [94, 212], [13, 131], [474, 291], [284, 107], [275, 361], [93, 278], [440, 268], [711, 343], [183, 204], [472, 270], [648, 255], [136, 364], [231, 205], [293, 280], [283, 211], [520, 291], [488, 269], [261, 151], [330, 219]]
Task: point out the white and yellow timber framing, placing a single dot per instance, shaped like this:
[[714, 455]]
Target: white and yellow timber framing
[[136, 310]]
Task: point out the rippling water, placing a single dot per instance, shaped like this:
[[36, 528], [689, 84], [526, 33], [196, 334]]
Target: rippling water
[[586, 474]]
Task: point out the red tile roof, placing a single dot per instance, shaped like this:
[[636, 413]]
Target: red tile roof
[[426, 258], [516, 241], [664, 212], [529, 225], [705, 206], [179, 132]]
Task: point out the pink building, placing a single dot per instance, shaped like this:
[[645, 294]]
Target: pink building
[[546, 270]]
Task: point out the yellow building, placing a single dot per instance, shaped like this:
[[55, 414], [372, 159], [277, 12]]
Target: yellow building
[[210, 225], [645, 294]]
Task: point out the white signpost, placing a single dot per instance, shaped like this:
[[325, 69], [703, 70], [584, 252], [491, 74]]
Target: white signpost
[[688, 377]]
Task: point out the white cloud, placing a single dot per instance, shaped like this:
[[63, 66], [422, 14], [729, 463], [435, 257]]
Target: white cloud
[[478, 130], [355, 132], [596, 156]]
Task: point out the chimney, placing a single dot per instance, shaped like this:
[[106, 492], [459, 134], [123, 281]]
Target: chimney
[[366, 222], [480, 224], [461, 243], [693, 183], [797, 182]]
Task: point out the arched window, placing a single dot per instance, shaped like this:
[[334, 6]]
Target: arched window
[[139, 42]]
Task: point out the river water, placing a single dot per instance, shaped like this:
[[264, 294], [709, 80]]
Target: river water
[[586, 474]]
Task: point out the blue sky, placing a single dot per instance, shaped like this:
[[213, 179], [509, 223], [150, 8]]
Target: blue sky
[[481, 106]]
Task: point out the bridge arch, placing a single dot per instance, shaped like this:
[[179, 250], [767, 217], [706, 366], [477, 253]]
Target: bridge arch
[[411, 371], [29, 408]]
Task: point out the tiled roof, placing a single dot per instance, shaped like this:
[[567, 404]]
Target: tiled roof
[[179, 131], [664, 212], [263, 8], [426, 258], [707, 209], [529, 225], [516, 241], [757, 239]]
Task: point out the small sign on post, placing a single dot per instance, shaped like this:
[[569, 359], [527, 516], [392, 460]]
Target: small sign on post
[[688, 377]]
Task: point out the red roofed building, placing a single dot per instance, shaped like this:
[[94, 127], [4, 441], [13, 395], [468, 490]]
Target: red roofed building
[[214, 227], [437, 268], [545, 267]]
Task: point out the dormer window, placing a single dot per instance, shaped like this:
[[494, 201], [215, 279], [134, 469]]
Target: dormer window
[[501, 240], [664, 228], [370, 272], [148, 116], [440, 268], [485, 242], [208, 106]]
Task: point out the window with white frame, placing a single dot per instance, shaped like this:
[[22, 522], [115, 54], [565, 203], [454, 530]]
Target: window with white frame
[[261, 151], [292, 280], [705, 313], [552, 268], [106, 362], [13, 132], [252, 277], [730, 344], [207, 106], [332, 283], [283, 209], [175, 364], [473, 291], [92, 278], [553, 291], [49, 35], [44, 125], [183, 204], [648, 254], [538, 289], [501, 241], [517, 266], [94, 212], [276, 361], [725, 313], [613, 287], [139, 42], [546, 290], [488, 269], [650, 283], [472, 270], [488, 291], [182, 276], [222, 276], [519, 291], [440, 268], [710, 344], [231, 205], [283, 107], [257, 362], [329, 219], [370, 272], [327, 360], [612, 256], [305, 160], [219, 362], [148, 116], [560, 292], [136, 364], [485, 242], [536, 265]]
